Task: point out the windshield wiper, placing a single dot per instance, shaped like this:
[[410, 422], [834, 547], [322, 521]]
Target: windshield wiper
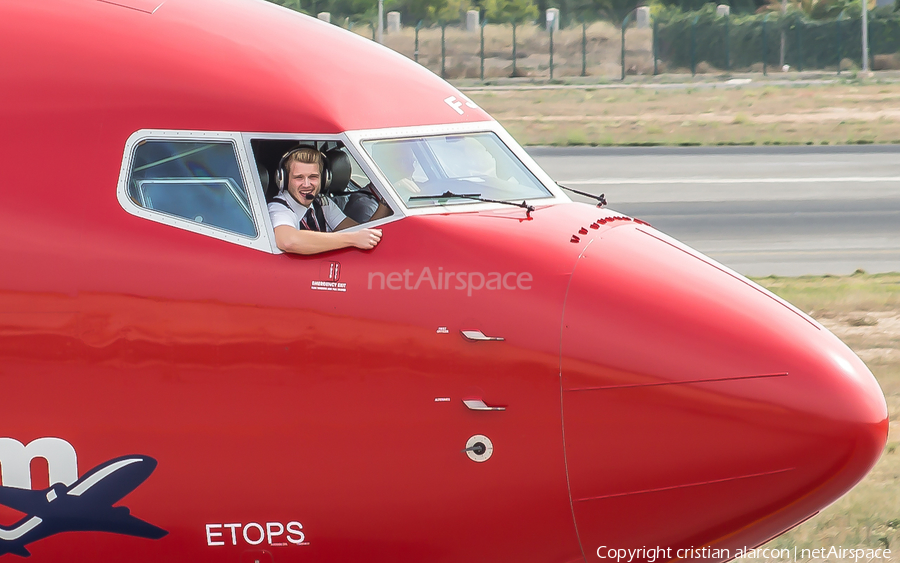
[[601, 199], [524, 205]]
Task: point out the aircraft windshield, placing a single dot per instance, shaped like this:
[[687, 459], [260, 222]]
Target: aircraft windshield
[[428, 171]]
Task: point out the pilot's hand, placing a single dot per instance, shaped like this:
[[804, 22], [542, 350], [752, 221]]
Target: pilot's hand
[[366, 238]]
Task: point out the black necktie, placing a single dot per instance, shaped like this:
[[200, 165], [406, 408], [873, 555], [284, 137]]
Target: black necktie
[[309, 220]]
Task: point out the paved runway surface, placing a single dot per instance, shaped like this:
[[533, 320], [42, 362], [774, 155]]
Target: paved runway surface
[[760, 210]]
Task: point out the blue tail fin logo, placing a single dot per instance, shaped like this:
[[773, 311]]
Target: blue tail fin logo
[[85, 505]]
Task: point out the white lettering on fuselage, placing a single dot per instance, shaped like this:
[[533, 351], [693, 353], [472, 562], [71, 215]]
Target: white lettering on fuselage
[[329, 286], [441, 280], [457, 105], [254, 533], [15, 461]]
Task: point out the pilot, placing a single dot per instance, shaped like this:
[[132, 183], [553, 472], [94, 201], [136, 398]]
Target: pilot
[[306, 222]]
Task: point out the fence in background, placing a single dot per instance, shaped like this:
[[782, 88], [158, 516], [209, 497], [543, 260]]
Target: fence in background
[[524, 50], [698, 42]]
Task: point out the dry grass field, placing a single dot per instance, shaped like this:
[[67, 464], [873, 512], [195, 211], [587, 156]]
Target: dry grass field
[[840, 113], [864, 311]]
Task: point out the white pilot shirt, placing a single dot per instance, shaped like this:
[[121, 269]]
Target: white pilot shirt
[[281, 215]]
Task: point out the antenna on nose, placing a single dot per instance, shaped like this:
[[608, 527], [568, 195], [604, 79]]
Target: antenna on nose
[[601, 199]]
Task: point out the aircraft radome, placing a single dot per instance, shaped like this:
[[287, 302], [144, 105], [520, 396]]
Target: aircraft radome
[[489, 383]]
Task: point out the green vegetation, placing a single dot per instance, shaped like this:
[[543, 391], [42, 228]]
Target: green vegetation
[[572, 12], [860, 292], [510, 11], [741, 41]]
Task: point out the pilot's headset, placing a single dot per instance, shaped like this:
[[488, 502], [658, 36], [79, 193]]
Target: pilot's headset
[[281, 175]]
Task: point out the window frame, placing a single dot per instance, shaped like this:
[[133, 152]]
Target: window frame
[[357, 137], [249, 177]]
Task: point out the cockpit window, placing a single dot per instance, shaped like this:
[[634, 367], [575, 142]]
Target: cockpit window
[[440, 170], [197, 181]]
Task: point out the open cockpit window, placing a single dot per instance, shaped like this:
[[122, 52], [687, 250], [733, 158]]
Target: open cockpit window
[[344, 182], [197, 181], [454, 169]]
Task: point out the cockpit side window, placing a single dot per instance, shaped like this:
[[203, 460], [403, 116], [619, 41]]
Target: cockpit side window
[[199, 181]]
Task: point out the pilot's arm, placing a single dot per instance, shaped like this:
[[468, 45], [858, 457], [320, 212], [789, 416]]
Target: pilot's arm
[[289, 239]]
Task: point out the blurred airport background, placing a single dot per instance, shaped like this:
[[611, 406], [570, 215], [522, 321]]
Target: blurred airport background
[[608, 39]]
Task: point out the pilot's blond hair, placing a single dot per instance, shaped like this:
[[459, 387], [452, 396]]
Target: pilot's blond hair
[[306, 155]]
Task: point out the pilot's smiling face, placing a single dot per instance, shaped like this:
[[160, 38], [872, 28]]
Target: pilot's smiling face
[[304, 182]]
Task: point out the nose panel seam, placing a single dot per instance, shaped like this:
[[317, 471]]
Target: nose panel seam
[[562, 409], [685, 485], [683, 382]]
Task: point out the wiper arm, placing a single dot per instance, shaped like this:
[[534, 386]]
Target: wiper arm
[[444, 195], [601, 199], [524, 205]]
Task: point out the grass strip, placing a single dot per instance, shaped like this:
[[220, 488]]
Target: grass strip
[[821, 114]]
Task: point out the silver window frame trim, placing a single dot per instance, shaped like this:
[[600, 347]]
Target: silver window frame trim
[[352, 140], [358, 136], [249, 177]]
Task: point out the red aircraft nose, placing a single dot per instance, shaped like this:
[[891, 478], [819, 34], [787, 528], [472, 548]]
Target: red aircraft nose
[[700, 411]]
